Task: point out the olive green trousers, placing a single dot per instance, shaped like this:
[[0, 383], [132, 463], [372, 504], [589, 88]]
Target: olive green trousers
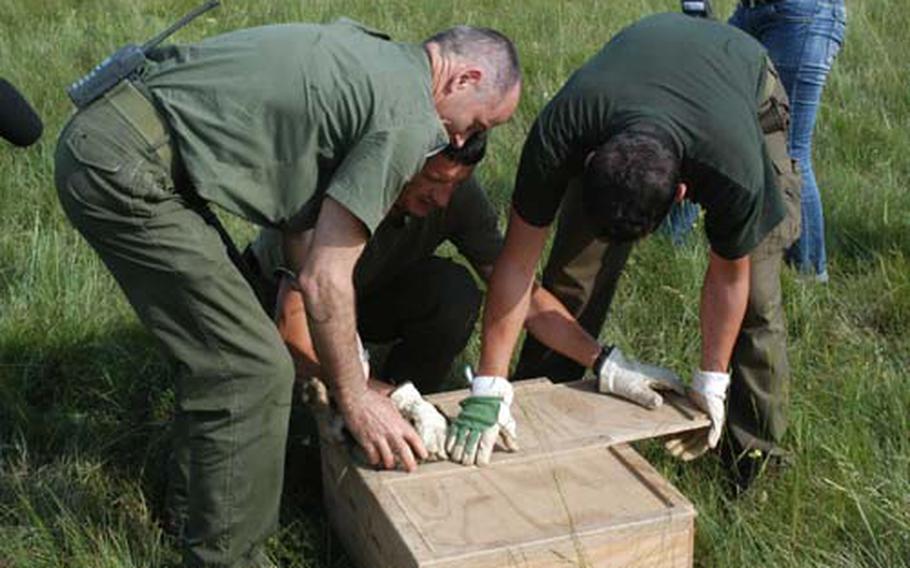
[[115, 175], [582, 271]]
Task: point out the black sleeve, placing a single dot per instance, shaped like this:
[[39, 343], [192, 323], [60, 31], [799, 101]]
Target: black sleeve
[[554, 151], [736, 219]]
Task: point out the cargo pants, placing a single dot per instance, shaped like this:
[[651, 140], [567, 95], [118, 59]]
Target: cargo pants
[[582, 271], [121, 186]]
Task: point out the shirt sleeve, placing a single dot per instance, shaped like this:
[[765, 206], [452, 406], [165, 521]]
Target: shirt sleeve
[[371, 176], [554, 152], [473, 224], [736, 219]]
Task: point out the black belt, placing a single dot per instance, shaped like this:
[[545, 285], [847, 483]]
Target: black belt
[[754, 3]]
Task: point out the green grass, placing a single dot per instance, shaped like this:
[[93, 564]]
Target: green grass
[[85, 398]]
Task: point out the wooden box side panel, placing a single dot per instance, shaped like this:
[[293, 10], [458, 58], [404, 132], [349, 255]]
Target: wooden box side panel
[[631, 547], [360, 514]]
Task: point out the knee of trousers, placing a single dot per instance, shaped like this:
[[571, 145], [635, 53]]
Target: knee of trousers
[[764, 311], [247, 382], [274, 368]]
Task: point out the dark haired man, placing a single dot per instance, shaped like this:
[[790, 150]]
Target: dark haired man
[[422, 303], [672, 107], [292, 126]]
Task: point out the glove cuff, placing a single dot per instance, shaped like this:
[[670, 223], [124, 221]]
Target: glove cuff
[[486, 385], [605, 352], [364, 358], [711, 383], [405, 395], [605, 366]]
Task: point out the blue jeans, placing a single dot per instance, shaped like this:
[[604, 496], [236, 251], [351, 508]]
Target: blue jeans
[[802, 38]]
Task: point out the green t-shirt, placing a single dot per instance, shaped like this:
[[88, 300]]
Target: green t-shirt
[[698, 79], [469, 221], [270, 120]]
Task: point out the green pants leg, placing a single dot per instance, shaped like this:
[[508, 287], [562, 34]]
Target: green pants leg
[[582, 271], [758, 403], [115, 182], [428, 310]]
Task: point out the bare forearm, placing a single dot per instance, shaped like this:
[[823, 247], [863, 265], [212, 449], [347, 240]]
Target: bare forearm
[[333, 328], [292, 326], [723, 304], [509, 294], [503, 317], [552, 324]]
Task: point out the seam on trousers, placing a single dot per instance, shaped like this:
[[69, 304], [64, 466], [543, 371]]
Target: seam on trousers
[[216, 347]]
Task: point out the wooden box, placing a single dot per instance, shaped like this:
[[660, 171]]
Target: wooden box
[[574, 496]]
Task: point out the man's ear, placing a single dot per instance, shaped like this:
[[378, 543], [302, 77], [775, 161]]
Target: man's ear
[[680, 192], [467, 77]]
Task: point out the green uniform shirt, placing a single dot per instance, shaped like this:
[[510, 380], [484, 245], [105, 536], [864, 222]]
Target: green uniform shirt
[[470, 222], [270, 120], [698, 79]]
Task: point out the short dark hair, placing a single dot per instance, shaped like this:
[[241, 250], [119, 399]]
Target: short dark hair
[[629, 183], [486, 47], [470, 153]]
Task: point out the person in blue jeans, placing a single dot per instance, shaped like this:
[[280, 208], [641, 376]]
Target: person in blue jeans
[[802, 38]]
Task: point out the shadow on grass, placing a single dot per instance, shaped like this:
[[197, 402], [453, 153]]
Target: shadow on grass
[[109, 400]]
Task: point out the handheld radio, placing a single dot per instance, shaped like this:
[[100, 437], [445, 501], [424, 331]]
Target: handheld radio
[[125, 62]]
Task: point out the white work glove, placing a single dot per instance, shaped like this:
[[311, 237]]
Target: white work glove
[[485, 417], [632, 380], [708, 392], [430, 424]]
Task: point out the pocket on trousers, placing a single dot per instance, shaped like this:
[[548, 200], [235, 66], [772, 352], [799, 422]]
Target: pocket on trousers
[[791, 187], [93, 151], [120, 177]]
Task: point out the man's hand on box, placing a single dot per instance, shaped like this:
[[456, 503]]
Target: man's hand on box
[[384, 435]]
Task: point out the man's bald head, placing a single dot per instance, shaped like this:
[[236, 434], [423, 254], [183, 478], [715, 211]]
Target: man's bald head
[[476, 79], [484, 47]]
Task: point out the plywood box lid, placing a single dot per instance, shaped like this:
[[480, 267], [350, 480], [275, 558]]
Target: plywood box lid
[[554, 418]]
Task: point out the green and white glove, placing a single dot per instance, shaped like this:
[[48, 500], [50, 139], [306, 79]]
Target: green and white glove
[[632, 380], [708, 392], [430, 424], [484, 418]]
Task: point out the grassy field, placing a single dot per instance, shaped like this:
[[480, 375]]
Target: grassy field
[[85, 398]]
